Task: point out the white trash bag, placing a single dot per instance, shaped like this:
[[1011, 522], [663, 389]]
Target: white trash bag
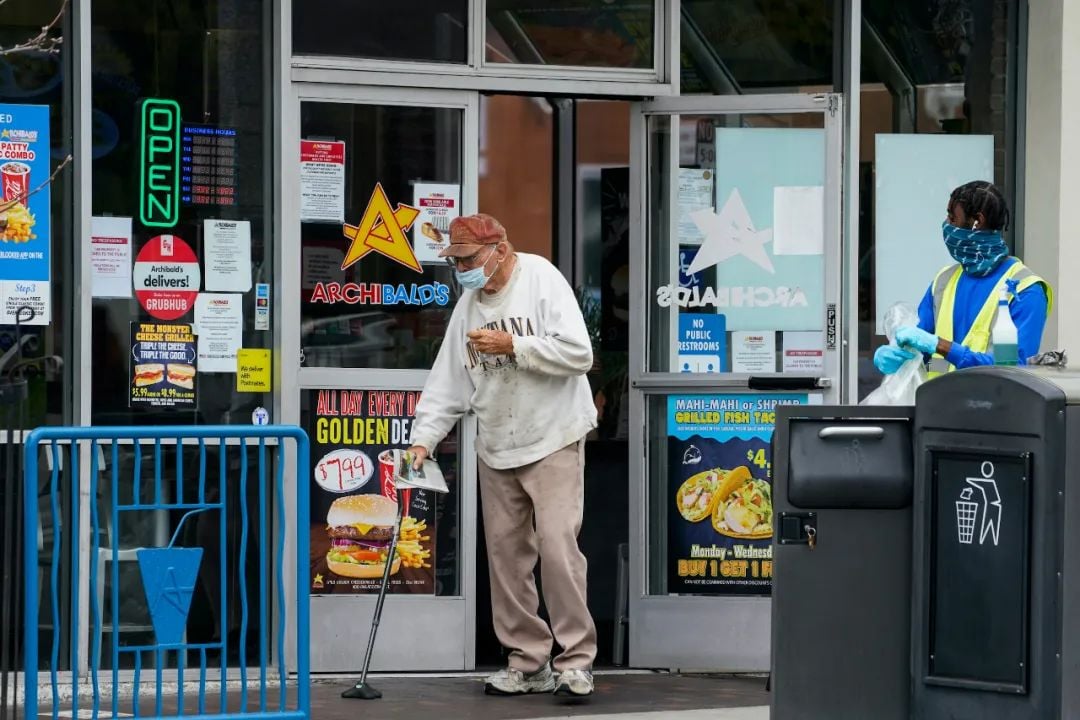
[[899, 388]]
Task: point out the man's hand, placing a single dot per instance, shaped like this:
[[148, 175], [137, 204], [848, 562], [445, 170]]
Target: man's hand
[[419, 456], [492, 342]]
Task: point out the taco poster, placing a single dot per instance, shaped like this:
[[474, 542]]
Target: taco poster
[[720, 510]]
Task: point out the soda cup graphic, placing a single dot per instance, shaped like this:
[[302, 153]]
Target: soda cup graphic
[[387, 472], [15, 177]]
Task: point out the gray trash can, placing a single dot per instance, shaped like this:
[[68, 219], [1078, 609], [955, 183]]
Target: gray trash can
[[996, 616], [841, 612]]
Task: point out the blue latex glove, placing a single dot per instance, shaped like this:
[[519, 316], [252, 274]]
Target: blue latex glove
[[889, 358], [913, 338]]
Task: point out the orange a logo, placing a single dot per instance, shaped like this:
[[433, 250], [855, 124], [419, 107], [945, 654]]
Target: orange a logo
[[382, 230]]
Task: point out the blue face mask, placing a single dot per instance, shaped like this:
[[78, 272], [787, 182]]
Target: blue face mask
[[977, 251], [476, 279]]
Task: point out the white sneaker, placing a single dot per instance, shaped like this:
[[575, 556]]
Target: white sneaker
[[575, 682], [514, 682]]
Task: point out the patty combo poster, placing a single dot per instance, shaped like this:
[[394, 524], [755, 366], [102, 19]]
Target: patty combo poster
[[720, 517], [353, 500]]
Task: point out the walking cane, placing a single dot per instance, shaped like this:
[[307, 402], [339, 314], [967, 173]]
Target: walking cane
[[362, 690]]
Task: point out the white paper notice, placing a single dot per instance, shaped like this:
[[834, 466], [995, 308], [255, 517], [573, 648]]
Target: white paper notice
[[799, 220], [219, 322], [322, 181], [110, 257], [753, 352], [321, 265], [804, 352], [228, 255], [16, 295], [438, 205], [695, 193]]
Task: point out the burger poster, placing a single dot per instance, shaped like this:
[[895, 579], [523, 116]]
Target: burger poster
[[353, 498], [720, 516], [163, 362]]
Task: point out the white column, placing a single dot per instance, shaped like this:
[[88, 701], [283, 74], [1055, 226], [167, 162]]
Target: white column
[[1052, 164]]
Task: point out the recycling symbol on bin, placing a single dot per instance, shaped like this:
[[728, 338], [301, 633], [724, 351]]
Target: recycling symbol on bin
[[979, 505]]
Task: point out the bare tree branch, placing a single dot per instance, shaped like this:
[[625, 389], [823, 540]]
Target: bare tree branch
[[40, 42], [5, 206]]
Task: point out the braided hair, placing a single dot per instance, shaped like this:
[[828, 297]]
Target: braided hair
[[982, 197]]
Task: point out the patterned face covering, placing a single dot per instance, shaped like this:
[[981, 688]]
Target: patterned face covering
[[977, 251]]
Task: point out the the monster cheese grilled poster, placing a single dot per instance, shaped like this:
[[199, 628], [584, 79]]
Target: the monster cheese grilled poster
[[720, 492], [353, 503], [163, 362]]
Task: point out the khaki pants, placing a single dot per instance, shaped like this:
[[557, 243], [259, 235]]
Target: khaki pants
[[530, 512]]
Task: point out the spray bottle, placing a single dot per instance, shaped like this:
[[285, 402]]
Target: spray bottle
[[1003, 334]]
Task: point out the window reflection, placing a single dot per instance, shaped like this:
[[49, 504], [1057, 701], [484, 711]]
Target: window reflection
[[208, 58], [943, 67], [583, 33], [738, 46], [378, 312], [35, 76], [715, 308], [420, 30]]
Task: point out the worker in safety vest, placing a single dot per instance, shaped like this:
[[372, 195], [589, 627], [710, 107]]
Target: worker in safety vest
[[956, 316]]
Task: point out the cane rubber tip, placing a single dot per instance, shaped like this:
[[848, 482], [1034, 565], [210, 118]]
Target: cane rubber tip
[[362, 691]]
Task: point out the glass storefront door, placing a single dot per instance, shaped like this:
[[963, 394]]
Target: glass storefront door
[[736, 270], [380, 175]]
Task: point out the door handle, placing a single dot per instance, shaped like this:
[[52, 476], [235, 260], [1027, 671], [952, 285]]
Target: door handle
[[851, 431]]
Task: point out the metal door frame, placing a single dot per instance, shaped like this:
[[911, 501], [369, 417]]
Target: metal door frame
[[666, 630], [419, 618]]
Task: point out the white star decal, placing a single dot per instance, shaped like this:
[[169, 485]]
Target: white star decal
[[730, 233]]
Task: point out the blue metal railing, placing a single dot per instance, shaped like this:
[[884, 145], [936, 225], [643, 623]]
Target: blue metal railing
[[170, 574]]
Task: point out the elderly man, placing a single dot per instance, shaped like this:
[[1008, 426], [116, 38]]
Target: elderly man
[[516, 352]]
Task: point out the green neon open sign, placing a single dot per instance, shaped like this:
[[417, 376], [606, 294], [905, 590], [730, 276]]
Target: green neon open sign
[[159, 163]]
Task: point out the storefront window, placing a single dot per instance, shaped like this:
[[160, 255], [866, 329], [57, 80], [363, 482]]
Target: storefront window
[[736, 271], [517, 131], [35, 103], [594, 33], [36, 272], [182, 241], [182, 264], [420, 30], [385, 307], [742, 46], [937, 81]]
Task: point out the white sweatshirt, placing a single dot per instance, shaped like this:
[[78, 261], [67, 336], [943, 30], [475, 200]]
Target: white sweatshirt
[[528, 406]]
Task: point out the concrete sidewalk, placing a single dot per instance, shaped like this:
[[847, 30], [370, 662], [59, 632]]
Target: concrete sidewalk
[[648, 696], [624, 695], [752, 713], [628, 696]]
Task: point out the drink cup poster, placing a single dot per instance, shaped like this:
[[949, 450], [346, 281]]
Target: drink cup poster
[[720, 510], [24, 214], [353, 500], [163, 360]]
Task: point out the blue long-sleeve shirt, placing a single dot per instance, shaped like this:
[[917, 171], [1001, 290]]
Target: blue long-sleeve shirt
[[1028, 311]]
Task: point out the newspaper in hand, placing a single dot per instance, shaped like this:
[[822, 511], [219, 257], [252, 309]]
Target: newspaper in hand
[[428, 477]]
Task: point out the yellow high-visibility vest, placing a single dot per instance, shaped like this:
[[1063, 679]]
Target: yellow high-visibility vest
[[978, 337]]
